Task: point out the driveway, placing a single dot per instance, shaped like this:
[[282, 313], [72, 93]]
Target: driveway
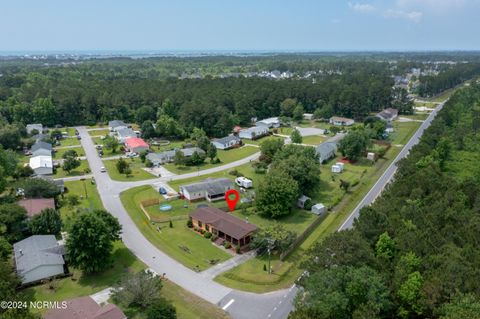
[[244, 305], [240, 305]]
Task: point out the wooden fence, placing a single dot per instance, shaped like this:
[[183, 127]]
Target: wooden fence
[[302, 236], [156, 201]]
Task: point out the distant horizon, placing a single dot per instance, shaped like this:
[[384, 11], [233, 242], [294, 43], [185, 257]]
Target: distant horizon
[[249, 25], [222, 51]]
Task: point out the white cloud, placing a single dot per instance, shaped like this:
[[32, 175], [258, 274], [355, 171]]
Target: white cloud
[[435, 4], [362, 7], [414, 16]]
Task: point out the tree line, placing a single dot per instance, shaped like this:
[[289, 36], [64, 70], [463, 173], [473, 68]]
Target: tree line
[[414, 252], [77, 96]]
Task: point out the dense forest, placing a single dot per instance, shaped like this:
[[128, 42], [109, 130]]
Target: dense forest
[[75, 95], [414, 252], [435, 84]]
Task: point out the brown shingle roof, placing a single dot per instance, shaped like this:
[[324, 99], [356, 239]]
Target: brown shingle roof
[[85, 308], [224, 222], [34, 206]]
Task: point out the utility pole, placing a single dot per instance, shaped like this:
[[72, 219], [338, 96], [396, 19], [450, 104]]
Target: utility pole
[[270, 247], [84, 187]]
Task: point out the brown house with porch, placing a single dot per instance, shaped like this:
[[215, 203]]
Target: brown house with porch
[[224, 225]]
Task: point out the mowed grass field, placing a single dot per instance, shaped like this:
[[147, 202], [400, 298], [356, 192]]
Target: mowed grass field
[[225, 157], [101, 132], [59, 152], [188, 305], [81, 170], [136, 166], [179, 242], [362, 175]]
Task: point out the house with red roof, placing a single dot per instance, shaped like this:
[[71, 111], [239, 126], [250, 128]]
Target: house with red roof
[[136, 145], [34, 206]]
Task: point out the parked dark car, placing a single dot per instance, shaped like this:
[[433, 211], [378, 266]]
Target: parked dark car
[[162, 191]]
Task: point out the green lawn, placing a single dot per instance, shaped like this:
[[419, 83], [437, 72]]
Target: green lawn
[[88, 198], [172, 240], [97, 140], [137, 172], [180, 207], [171, 146], [59, 153], [313, 139], [284, 130], [250, 276], [81, 170], [403, 131], [260, 140], [417, 116], [83, 285], [99, 132], [188, 306], [225, 157], [70, 141]]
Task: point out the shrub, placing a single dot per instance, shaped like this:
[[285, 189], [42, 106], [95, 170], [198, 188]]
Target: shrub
[[170, 224], [233, 172], [189, 223], [260, 170], [148, 163], [264, 267], [227, 245], [202, 231], [214, 237], [207, 234], [73, 200], [237, 249], [195, 228], [308, 204]]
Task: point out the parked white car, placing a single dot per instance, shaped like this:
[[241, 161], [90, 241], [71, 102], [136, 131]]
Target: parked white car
[[243, 182]]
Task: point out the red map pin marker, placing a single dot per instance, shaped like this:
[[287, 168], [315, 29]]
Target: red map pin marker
[[232, 202]]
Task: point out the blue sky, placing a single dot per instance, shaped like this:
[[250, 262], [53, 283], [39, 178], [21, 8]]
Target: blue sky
[[239, 25]]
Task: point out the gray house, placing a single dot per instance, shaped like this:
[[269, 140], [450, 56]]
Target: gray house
[[41, 148], [124, 133], [270, 122], [161, 158], [38, 257], [388, 114], [227, 142], [168, 156], [254, 132], [116, 125], [326, 151], [210, 189]]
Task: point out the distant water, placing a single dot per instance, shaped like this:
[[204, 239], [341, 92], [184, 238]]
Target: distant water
[[141, 53]]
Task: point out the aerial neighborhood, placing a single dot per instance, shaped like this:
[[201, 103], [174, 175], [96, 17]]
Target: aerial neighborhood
[[238, 186]]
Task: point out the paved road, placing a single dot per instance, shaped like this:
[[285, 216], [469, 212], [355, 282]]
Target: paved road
[[390, 171], [239, 304]]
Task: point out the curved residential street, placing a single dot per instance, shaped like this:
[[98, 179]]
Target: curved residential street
[[240, 305]]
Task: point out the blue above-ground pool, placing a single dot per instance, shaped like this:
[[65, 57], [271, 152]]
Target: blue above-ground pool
[[165, 207]]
